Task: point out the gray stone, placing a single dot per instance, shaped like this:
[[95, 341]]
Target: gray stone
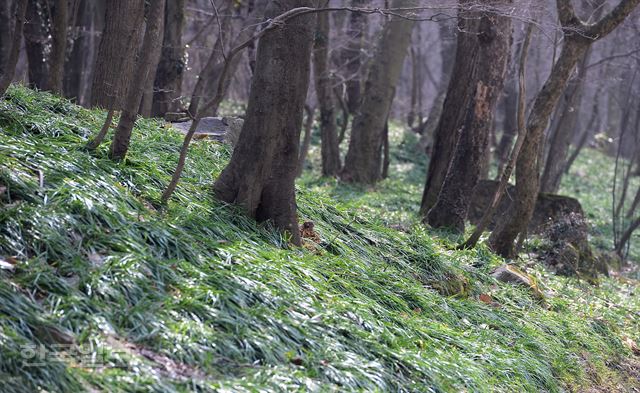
[[215, 128]]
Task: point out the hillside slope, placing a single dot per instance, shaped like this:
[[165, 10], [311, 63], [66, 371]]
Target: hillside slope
[[199, 298]]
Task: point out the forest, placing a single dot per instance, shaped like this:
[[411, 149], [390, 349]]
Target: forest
[[319, 196]]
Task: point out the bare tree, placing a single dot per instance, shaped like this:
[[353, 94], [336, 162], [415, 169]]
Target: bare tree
[[578, 37], [352, 56], [260, 176], [168, 78], [58, 46], [119, 23], [5, 32], [122, 137], [324, 91], [363, 160], [507, 170], [10, 66], [35, 37], [485, 42]]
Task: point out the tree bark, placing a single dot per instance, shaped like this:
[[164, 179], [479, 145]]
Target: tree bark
[[306, 139], [168, 78], [457, 99], [447, 54], [565, 131], [261, 174], [122, 137], [527, 168], [119, 23], [58, 46], [146, 105], [504, 174], [489, 49], [352, 56], [330, 150], [10, 67], [6, 35], [35, 37], [209, 77], [76, 63], [578, 38], [363, 161]]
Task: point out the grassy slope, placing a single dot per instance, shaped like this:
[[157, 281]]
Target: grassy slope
[[199, 297]]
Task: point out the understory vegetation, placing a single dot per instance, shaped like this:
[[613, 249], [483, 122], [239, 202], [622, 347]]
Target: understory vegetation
[[196, 297]]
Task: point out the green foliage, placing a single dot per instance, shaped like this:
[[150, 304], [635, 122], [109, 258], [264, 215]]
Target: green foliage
[[199, 298]]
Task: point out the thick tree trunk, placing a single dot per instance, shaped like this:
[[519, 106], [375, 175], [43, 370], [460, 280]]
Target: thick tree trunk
[[10, 67], [119, 23], [58, 46], [363, 162], [324, 91], [261, 174], [35, 37], [459, 95], [122, 137], [489, 48], [564, 132], [168, 78], [352, 56]]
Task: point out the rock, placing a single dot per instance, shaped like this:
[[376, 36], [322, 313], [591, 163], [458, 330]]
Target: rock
[[549, 207], [209, 127], [222, 129], [233, 134], [176, 117], [569, 252], [512, 275]]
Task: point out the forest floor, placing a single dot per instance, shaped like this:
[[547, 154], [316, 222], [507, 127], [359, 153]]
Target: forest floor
[[102, 291]]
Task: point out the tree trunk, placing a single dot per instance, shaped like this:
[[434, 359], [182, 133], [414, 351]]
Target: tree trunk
[[35, 37], [146, 105], [306, 139], [6, 35], [564, 132], [458, 98], [119, 23], [330, 150], [261, 174], [362, 163], [122, 137], [352, 56], [509, 126], [489, 48], [447, 54], [576, 42], [168, 78], [76, 64], [209, 77], [517, 217], [58, 46], [10, 67]]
